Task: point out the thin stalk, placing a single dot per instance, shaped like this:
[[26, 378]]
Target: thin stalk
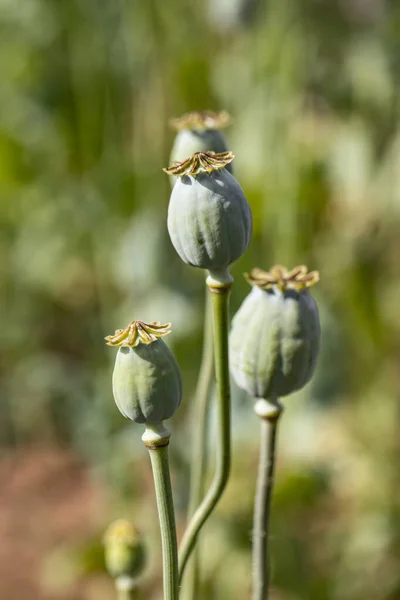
[[158, 451], [198, 463], [220, 309], [126, 594], [262, 506]]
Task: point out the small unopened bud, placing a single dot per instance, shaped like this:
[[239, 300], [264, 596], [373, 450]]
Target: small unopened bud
[[124, 551]]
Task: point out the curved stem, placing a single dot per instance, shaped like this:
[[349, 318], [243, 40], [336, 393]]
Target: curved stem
[[220, 304], [198, 463], [262, 506], [158, 450]]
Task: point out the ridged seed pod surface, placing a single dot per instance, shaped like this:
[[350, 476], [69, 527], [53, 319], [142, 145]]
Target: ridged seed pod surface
[[209, 219], [147, 382], [274, 342]]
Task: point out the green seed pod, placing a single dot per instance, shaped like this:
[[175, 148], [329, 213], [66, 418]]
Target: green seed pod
[[209, 219], [124, 551], [275, 334], [199, 132], [147, 382]]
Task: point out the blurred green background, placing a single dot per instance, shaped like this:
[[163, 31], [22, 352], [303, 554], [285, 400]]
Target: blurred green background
[[87, 88]]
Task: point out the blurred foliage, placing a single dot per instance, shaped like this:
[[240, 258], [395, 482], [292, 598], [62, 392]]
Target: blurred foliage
[[87, 90]]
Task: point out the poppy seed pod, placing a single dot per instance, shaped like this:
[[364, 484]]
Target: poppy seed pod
[[209, 219], [198, 132], [275, 334], [147, 382], [124, 551]]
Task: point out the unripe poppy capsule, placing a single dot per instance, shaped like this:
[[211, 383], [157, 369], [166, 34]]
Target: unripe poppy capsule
[[209, 219], [274, 341], [147, 382]]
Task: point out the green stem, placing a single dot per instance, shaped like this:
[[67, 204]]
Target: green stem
[[198, 464], [220, 304], [158, 450], [126, 594], [262, 506], [125, 587]]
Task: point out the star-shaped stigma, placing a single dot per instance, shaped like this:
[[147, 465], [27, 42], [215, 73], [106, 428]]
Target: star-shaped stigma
[[200, 162], [201, 120], [138, 332], [296, 279]]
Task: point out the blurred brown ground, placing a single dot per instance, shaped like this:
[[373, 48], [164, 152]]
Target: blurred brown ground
[[47, 498]]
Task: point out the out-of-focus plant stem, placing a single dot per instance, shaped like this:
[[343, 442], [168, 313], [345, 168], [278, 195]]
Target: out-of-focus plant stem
[[262, 505], [220, 308], [126, 594], [198, 465]]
